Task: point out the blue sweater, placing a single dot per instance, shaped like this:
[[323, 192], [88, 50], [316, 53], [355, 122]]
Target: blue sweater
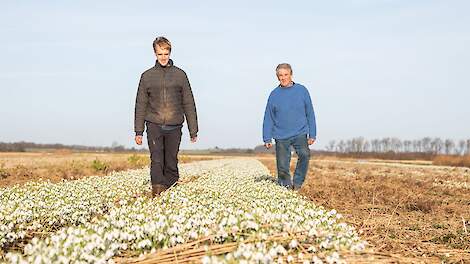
[[289, 112]]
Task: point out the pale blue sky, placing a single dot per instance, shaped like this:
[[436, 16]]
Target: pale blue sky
[[69, 69]]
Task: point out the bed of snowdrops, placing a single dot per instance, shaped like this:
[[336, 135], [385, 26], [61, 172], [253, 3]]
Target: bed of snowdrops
[[96, 219]]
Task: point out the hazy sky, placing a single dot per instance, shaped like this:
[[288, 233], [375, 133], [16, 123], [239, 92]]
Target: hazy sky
[[69, 70]]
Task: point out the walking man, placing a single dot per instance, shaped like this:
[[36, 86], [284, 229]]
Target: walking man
[[289, 119], [164, 99]]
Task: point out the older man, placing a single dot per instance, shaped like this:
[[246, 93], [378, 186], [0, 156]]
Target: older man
[[289, 119], [164, 98]]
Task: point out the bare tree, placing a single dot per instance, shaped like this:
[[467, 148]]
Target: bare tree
[[331, 146], [386, 144], [448, 146], [396, 145], [341, 147], [366, 147], [436, 145], [417, 145], [426, 144], [349, 146], [375, 143], [461, 147], [357, 144], [407, 145]]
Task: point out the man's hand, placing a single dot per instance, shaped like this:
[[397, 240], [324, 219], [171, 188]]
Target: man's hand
[[268, 145], [311, 141], [193, 139], [138, 140]]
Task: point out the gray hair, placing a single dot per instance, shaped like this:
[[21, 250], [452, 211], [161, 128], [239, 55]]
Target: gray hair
[[285, 66]]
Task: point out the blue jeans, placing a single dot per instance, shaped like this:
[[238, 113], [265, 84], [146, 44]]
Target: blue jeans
[[283, 156]]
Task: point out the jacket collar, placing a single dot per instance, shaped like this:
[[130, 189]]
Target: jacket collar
[[170, 63]]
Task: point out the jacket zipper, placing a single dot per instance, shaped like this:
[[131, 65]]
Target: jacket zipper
[[164, 97]]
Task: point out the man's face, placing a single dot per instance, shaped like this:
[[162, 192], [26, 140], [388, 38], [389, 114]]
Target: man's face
[[284, 76], [163, 55]]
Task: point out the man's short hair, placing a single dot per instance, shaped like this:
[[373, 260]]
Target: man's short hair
[[285, 66], [162, 42]]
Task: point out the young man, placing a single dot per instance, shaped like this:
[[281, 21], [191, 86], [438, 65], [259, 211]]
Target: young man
[[289, 119], [164, 98]]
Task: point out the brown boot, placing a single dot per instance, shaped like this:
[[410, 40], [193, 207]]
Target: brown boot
[[157, 189]]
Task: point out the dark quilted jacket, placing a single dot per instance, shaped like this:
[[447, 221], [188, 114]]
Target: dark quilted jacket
[[164, 97]]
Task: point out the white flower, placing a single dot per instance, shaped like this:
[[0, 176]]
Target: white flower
[[316, 260], [225, 201], [293, 243]]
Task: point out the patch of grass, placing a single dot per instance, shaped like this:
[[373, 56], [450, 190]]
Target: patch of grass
[[332, 167], [414, 228], [3, 172], [138, 161], [99, 166], [356, 171], [457, 240], [438, 226], [21, 171], [420, 204]]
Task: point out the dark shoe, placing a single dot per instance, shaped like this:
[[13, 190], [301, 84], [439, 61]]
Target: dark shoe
[[157, 189]]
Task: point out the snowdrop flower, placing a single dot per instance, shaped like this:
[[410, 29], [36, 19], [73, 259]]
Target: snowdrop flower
[[316, 260], [224, 199], [293, 243]]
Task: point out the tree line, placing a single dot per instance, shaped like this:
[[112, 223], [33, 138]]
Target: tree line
[[426, 145], [28, 146]]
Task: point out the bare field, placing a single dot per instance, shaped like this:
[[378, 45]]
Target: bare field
[[412, 212], [19, 168]]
